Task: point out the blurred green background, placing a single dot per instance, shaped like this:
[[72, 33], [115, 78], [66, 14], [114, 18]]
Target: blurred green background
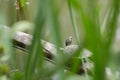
[[93, 24]]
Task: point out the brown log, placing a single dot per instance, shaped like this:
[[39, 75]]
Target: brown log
[[22, 40]]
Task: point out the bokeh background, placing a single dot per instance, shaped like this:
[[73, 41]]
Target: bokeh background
[[94, 25]]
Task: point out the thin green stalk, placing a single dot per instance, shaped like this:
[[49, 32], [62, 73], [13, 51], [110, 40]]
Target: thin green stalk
[[73, 22], [55, 27], [76, 63], [56, 31], [35, 51], [112, 23], [93, 37]]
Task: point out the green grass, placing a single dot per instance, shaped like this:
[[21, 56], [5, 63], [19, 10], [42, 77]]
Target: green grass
[[99, 36]]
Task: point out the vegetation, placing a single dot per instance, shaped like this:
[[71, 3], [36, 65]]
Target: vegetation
[[94, 25]]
